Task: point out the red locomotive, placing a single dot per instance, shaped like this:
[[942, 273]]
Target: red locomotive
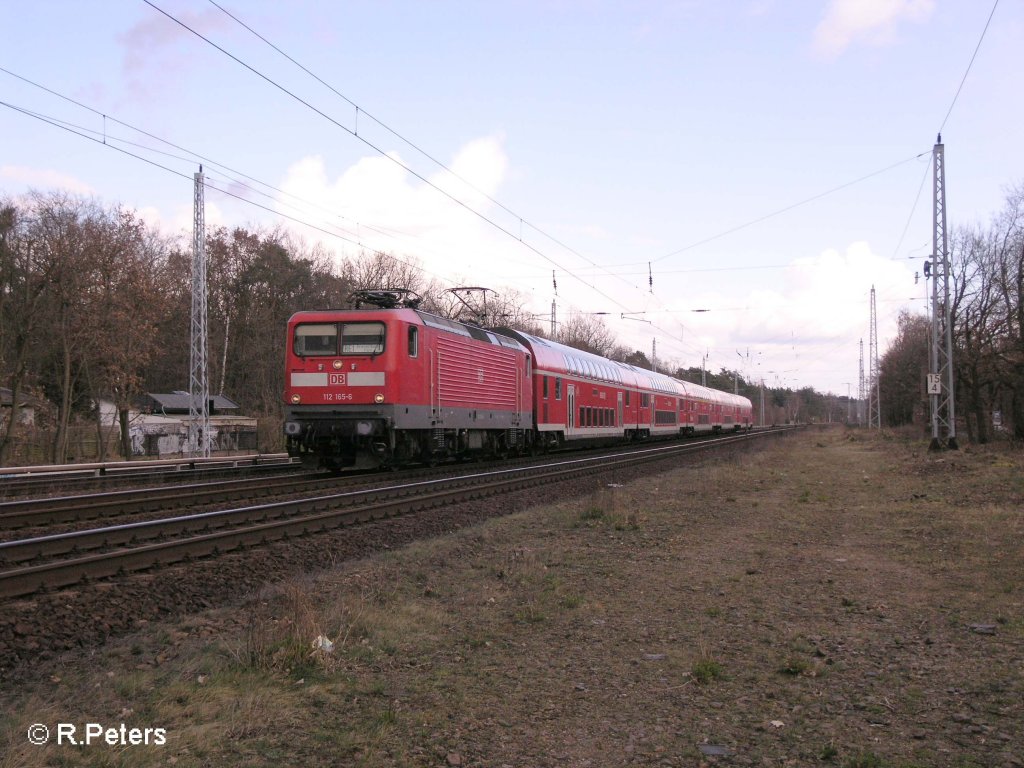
[[394, 385]]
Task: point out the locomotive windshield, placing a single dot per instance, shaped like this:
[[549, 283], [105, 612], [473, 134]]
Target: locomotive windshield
[[312, 339], [362, 338], [316, 339]]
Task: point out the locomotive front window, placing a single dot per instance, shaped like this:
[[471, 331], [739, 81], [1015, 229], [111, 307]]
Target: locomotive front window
[[362, 338], [316, 339]]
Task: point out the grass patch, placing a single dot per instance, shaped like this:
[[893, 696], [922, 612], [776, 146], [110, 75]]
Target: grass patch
[[705, 671], [545, 635]]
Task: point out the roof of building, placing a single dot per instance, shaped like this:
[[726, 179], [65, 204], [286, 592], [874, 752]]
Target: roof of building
[[178, 402], [7, 397]]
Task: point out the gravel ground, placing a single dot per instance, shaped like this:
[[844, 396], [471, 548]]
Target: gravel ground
[[835, 599], [46, 627]]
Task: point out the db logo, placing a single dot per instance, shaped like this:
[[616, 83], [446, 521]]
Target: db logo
[[336, 378]]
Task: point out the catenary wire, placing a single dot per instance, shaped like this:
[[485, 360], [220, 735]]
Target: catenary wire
[[969, 65], [380, 151], [407, 141]]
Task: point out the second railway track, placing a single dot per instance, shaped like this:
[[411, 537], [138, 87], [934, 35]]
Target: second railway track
[[65, 559]]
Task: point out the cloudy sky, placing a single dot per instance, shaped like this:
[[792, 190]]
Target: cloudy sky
[[726, 179]]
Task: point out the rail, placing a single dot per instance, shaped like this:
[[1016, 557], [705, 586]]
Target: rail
[[101, 469], [142, 545]]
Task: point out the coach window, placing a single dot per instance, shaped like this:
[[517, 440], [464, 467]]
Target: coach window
[[316, 339], [558, 388], [414, 341], [362, 338], [545, 380], [627, 397]]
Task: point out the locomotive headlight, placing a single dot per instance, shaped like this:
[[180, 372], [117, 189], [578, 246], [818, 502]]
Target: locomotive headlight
[[378, 398], [296, 399], [337, 365]]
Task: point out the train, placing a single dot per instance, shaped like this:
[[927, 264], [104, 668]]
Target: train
[[391, 385]]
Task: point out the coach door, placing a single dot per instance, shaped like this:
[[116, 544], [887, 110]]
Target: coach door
[[571, 399], [620, 422]]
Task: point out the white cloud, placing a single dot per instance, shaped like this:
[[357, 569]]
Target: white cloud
[[871, 22], [182, 222], [806, 329], [45, 178], [151, 216], [385, 207]]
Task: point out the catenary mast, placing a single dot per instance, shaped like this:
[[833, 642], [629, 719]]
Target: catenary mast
[[940, 375], [874, 389], [198, 386]]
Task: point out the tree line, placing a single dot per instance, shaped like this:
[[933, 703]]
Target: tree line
[[987, 324], [95, 305]]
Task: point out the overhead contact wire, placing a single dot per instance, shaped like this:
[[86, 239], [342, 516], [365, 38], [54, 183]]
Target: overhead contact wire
[[377, 149]]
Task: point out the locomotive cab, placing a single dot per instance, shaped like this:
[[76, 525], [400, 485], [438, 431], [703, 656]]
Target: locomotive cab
[[339, 394]]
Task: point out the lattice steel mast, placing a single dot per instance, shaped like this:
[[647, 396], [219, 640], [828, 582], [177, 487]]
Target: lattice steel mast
[[940, 375], [861, 389], [198, 387], [874, 390]]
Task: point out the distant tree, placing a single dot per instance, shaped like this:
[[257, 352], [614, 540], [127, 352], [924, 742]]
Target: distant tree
[[125, 301], [1008, 258], [23, 284], [377, 270], [636, 357], [61, 226], [587, 332], [902, 372]]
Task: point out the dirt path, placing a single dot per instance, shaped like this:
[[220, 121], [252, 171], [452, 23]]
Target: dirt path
[[833, 600]]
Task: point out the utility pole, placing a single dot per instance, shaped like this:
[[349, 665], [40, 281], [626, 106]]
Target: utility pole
[[198, 385], [940, 371], [874, 390], [654, 355], [553, 323]]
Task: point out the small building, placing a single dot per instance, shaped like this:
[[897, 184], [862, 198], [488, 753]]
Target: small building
[[28, 407], [163, 426], [158, 425]]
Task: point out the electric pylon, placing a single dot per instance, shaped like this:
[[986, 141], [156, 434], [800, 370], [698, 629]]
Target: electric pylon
[[198, 387], [940, 377], [874, 390], [861, 391]]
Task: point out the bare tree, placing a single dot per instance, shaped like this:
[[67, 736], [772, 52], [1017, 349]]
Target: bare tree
[[587, 332], [902, 372], [126, 301], [382, 271], [23, 282]]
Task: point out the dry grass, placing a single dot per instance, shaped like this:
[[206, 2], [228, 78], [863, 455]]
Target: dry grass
[[813, 603]]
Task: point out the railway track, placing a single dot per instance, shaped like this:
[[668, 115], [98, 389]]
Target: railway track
[[38, 480], [65, 559], [56, 511], [51, 511]]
